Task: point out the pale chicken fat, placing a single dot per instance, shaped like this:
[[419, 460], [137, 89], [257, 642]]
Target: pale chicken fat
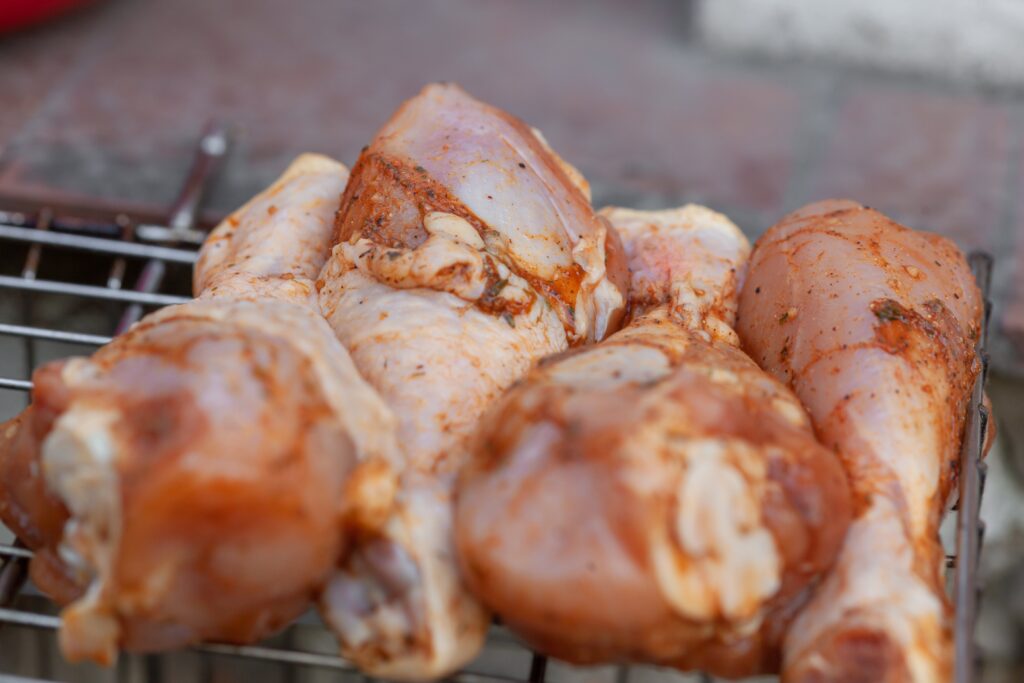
[[699, 275]]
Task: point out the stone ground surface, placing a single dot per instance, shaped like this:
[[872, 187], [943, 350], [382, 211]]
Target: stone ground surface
[[109, 102]]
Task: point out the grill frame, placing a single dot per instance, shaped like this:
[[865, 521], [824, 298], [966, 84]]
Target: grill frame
[[119, 233]]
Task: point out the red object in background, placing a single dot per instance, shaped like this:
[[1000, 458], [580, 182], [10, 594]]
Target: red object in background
[[16, 14]]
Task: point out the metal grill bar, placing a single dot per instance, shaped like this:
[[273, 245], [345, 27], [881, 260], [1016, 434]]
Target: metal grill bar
[[94, 216], [267, 654], [89, 291], [970, 528], [182, 218], [116, 275], [5, 678], [13, 573], [52, 623], [34, 253], [161, 233], [22, 618], [15, 551], [53, 335], [538, 668], [97, 244]]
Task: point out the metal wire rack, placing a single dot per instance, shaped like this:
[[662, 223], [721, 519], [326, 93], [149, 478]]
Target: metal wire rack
[[122, 266], [156, 259]]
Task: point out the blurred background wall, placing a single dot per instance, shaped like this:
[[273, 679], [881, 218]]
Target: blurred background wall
[[971, 41]]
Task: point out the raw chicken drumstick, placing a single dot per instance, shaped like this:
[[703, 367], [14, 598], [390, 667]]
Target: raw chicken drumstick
[[874, 327], [185, 482], [655, 497], [466, 250]]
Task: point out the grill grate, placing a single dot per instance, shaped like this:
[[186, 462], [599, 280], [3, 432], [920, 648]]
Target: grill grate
[[117, 239], [109, 235]]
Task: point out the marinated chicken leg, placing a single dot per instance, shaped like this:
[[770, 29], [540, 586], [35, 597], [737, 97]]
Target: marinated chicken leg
[[874, 326], [466, 250], [185, 482], [655, 497]]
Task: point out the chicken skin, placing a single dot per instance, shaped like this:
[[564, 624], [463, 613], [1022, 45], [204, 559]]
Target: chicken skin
[[186, 482], [874, 326], [655, 497], [466, 249]]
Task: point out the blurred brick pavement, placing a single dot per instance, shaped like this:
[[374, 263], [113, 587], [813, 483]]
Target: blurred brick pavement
[[108, 103]]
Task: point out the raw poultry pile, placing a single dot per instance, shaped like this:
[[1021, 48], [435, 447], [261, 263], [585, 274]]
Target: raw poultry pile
[[446, 389]]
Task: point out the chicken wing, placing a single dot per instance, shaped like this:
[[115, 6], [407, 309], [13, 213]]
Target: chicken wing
[[185, 482], [466, 250], [655, 497], [874, 327]]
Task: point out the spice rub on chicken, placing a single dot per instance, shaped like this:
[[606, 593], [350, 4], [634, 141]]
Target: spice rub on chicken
[[466, 250], [655, 497], [874, 327]]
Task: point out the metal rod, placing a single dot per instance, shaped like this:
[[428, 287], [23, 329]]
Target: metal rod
[[16, 550], [161, 233], [53, 335], [74, 213], [12, 574], [116, 276], [969, 527], [14, 570], [266, 654], [16, 384], [6, 678], [35, 252], [472, 677], [275, 655], [981, 265], [148, 281], [538, 668], [68, 223], [29, 272], [97, 244], [182, 217], [151, 667], [50, 287], [30, 619]]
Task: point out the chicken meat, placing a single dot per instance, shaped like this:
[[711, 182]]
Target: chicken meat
[[874, 326], [466, 249], [655, 497], [186, 482]]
